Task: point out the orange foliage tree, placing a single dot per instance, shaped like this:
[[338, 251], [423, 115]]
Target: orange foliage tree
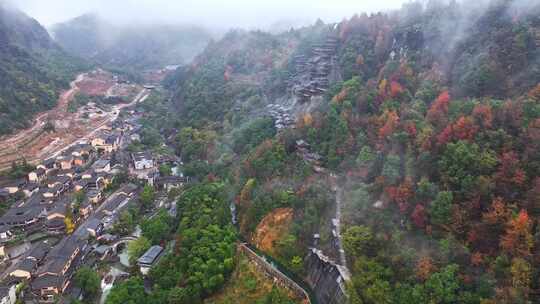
[[463, 129], [402, 194], [535, 93], [445, 136], [410, 127], [439, 109], [424, 268], [477, 259], [497, 213], [392, 120], [518, 239], [360, 60]]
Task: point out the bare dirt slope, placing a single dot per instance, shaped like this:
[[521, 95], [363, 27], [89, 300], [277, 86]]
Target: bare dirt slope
[[35, 144], [272, 227]]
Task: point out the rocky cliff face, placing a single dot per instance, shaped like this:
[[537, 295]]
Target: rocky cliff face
[[326, 278]]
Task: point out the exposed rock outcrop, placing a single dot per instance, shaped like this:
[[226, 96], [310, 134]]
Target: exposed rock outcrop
[[326, 278]]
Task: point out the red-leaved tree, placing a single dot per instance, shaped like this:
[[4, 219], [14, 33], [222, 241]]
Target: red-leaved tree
[[418, 216], [437, 113]]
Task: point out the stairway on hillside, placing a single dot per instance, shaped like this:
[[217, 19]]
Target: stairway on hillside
[[311, 77]]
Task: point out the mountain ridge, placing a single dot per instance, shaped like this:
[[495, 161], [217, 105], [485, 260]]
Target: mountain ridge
[[33, 69], [130, 47]]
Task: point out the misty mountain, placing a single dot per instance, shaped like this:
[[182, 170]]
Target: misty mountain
[[33, 69], [132, 47], [429, 115], [474, 51]]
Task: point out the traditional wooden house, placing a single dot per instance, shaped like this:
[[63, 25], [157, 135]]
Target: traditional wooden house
[[54, 277], [149, 259], [65, 162], [48, 165], [86, 208], [102, 165], [37, 175], [13, 186], [142, 160], [30, 189], [28, 265]]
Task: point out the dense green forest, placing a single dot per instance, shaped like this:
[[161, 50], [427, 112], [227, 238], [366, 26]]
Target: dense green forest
[[202, 257], [432, 128], [33, 70]]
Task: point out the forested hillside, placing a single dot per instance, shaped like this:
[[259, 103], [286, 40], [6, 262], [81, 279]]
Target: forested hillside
[[431, 123], [130, 47], [33, 69]]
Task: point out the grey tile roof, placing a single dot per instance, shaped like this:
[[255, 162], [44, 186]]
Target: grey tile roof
[[101, 163], [150, 255], [59, 255], [93, 223], [139, 156], [46, 280], [4, 291]]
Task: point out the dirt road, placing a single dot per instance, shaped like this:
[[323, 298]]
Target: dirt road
[[112, 116], [34, 145], [41, 119]]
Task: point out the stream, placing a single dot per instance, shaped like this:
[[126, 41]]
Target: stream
[[107, 286], [117, 269]]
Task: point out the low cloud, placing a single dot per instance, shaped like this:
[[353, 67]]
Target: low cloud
[[210, 13]]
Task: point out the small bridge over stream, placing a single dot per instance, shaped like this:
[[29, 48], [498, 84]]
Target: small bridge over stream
[[112, 250]]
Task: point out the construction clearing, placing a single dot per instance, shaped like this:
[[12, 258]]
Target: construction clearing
[[58, 128]]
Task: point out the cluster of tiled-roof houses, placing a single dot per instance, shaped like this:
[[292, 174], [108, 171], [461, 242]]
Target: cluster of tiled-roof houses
[[48, 198]]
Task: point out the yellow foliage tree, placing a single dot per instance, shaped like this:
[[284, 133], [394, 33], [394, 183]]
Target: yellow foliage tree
[[521, 273], [308, 120], [382, 87], [70, 227], [245, 193]]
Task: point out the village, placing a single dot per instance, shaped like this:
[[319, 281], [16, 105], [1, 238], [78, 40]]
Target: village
[[64, 212]]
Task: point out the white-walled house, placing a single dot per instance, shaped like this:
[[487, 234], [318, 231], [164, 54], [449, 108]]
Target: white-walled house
[[142, 160]]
